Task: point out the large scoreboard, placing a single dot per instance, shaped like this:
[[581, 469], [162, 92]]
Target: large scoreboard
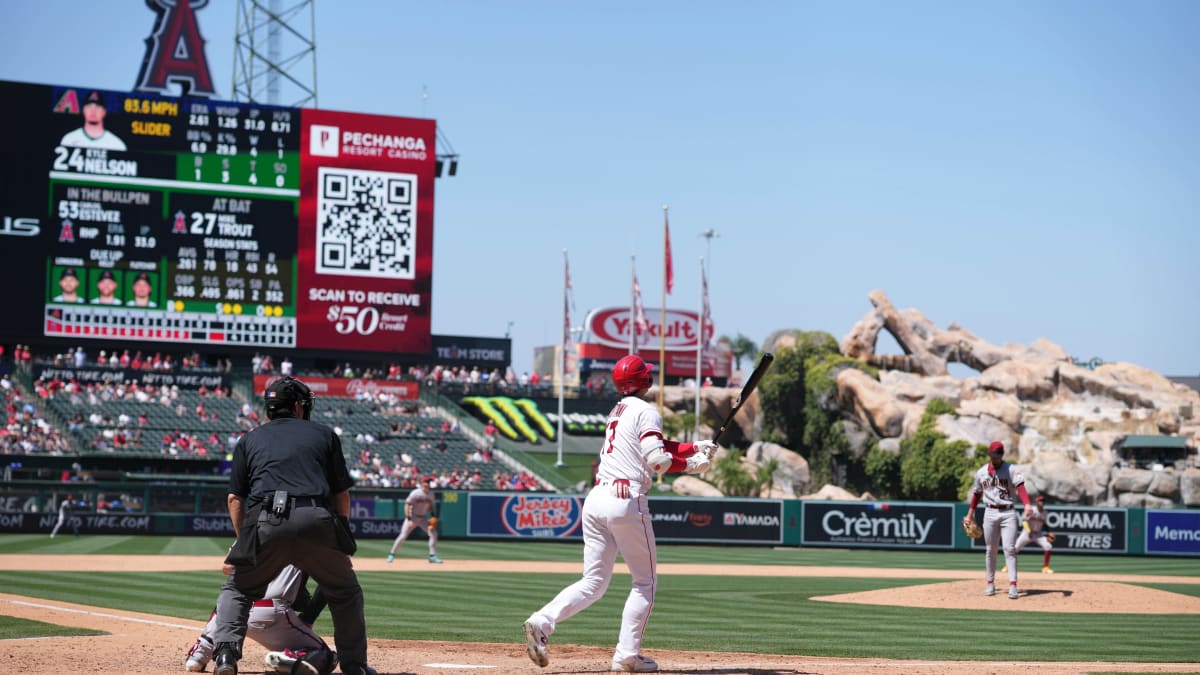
[[134, 217]]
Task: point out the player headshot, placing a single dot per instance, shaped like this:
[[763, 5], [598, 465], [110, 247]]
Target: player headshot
[[106, 287], [68, 286], [93, 134], [142, 291]]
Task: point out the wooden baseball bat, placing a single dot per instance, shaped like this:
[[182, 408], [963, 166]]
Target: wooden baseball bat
[[764, 362]]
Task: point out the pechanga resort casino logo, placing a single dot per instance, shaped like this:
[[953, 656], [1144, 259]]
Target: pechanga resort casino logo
[[542, 516]]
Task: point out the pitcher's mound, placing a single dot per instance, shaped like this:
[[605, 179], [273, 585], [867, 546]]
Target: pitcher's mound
[[1038, 595]]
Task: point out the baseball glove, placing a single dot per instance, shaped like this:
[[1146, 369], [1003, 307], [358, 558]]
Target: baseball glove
[[972, 528], [1050, 537], [433, 521]]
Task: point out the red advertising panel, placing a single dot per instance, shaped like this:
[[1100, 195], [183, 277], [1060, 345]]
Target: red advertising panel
[[366, 231], [348, 387]]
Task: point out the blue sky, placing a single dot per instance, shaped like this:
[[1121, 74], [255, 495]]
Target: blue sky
[[1025, 169]]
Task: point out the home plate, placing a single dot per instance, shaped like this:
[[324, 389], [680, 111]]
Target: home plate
[[457, 666]]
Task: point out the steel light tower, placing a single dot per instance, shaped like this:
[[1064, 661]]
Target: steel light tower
[[275, 53]]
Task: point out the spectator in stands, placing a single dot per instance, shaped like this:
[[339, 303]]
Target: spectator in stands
[[285, 366]]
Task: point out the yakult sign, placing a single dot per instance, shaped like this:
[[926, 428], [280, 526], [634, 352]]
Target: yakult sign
[[614, 326]]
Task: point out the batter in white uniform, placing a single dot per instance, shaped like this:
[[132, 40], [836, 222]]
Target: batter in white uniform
[[418, 507], [273, 623], [997, 482], [616, 518]]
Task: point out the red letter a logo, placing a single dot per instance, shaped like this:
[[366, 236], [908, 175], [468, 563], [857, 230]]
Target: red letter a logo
[[175, 50]]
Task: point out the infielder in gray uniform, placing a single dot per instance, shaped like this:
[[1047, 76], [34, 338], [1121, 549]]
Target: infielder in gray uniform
[[1034, 529], [996, 482], [418, 509]]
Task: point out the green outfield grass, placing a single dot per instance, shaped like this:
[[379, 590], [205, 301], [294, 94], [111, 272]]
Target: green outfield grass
[[13, 628], [704, 613]]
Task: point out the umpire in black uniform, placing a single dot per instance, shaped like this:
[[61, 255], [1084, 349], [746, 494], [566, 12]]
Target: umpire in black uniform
[[289, 497]]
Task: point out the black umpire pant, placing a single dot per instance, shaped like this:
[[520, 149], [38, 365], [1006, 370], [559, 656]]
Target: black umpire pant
[[304, 537]]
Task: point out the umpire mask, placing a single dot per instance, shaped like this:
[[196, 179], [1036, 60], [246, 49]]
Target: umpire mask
[[283, 394]]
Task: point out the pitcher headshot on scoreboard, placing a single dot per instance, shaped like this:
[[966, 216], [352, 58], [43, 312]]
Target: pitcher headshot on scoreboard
[[93, 134]]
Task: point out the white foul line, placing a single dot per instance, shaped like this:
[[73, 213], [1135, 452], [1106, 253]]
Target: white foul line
[[102, 615]]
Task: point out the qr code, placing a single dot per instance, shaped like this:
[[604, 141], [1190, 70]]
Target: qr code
[[366, 223]]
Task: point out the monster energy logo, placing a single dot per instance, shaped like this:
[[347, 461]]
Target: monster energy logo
[[521, 419]]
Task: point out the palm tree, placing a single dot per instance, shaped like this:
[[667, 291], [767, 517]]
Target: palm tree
[[742, 346]]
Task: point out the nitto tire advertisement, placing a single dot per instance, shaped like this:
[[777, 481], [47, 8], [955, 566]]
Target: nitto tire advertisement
[[878, 525]]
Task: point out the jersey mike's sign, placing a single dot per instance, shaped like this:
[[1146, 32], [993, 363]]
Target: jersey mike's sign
[[615, 327]]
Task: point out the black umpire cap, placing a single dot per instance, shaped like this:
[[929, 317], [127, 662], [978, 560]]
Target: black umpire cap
[[283, 394]]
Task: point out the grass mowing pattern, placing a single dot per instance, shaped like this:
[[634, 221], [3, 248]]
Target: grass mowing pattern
[[691, 613], [12, 628], [768, 615]]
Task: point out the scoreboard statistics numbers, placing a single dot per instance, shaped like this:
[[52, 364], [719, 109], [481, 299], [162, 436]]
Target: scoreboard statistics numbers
[[146, 218]]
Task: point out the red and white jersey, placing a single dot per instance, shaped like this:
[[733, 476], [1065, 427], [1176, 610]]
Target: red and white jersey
[[1036, 521], [998, 486], [634, 428]]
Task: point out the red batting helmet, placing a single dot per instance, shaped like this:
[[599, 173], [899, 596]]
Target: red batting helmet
[[631, 374]]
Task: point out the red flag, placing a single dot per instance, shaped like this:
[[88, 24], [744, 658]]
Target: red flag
[[641, 325], [670, 270]]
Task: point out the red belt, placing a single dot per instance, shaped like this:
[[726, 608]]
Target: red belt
[[264, 603]]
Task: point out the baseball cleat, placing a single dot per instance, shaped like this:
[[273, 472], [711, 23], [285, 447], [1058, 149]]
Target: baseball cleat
[[434, 559], [535, 644], [1012, 592], [391, 557], [1046, 570], [990, 589], [225, 664], [198, 656], [635, 664]]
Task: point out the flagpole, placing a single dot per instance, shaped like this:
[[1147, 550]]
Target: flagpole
[[662, 313], [700, 344], [562, 376], [633, 317]]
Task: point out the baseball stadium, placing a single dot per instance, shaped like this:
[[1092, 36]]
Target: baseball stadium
[[237, 440]]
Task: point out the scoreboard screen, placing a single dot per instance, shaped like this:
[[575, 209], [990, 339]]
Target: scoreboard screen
[[134, 217]]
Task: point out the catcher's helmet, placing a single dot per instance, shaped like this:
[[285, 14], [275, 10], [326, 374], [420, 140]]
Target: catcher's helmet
[[283, 394], [631, 374]]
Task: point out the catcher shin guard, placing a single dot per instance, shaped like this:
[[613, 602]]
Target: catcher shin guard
[[302, 661]]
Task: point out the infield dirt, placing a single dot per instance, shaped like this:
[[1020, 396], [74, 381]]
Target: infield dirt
[[144, 644]]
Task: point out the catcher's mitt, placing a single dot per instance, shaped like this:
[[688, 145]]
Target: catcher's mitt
[[972, 528], [433, 521], [1050, 537]]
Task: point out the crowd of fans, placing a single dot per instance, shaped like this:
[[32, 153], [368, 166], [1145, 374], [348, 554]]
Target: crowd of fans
[[25, 430], [159, 361], [99, 427]]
